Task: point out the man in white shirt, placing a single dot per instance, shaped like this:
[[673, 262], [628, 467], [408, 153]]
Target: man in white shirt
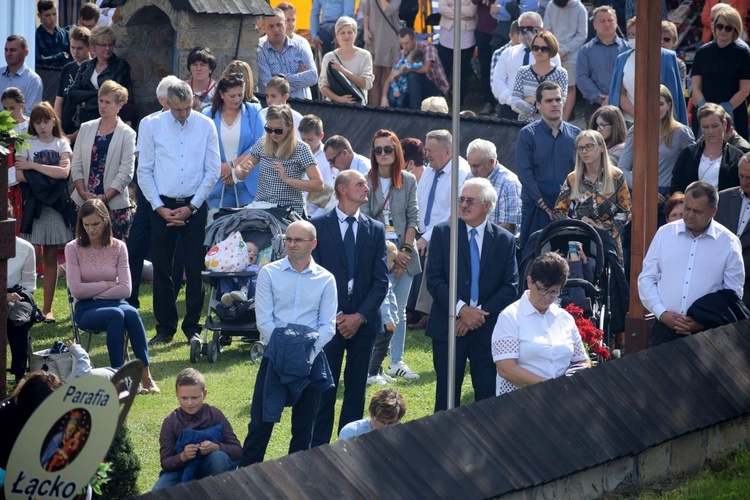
[[506, 63], [179, 163], [688, 259], [340, 156]]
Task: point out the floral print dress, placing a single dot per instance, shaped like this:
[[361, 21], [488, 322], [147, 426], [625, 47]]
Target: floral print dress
[[121, 219]]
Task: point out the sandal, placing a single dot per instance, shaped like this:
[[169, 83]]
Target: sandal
[[49, 318], [150, 387]]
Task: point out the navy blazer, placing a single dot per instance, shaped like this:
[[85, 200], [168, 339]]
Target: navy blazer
[[370, 269], [498, 277]]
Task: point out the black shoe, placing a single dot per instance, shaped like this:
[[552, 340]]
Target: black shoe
[[193, 336], [161, 338]]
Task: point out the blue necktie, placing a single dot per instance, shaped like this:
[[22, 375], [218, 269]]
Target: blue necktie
[[474, 252], [349, 246], [431, 198], [526, 53]]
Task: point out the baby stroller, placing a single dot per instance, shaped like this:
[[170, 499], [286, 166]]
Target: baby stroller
[[265, 228], [606, 289]]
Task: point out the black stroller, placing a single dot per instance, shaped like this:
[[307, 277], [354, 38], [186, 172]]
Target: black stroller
[[265, 228], [607, 291]]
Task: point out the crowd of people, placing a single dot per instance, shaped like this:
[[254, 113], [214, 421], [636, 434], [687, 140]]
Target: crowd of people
[[371, 255]]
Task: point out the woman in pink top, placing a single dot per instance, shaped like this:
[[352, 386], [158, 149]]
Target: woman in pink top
[[99, 279]]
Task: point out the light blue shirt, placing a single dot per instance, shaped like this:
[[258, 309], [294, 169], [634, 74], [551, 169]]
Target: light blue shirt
[[178, 160], [28, 82], [287, 62], [356, 428], [526, 6], [283, 296], [332, 10]]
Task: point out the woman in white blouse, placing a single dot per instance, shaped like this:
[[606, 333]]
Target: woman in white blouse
[[354, 63], [534, 339]]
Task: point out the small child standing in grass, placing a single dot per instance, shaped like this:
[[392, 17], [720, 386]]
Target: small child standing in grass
[[196, 439]]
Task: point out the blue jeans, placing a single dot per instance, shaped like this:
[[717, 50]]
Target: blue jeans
[[420, 87], [402, 101], [114, 316], [211, 465], [401, 289]]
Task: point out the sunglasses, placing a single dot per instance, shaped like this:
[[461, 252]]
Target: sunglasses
[[540, 48], [724, 27], [528, 29], [586, 147], [277, 131], [383, 150], [333, 160]]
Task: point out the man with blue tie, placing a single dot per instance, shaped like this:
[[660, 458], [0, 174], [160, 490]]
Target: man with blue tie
[[351, 246], [487, 282]]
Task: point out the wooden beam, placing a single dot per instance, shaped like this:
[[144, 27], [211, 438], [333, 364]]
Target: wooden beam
[[645, 161]]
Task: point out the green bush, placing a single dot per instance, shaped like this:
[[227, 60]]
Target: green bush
[[123, 476]]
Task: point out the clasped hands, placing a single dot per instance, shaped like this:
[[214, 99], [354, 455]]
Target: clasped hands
[[684, 325], [204, 448], [348, 324], [469, 318], [176, 217]]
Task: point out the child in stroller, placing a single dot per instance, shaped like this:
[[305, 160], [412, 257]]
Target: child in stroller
[[239, 288]]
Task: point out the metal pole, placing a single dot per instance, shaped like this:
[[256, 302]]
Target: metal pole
[[456, 131]]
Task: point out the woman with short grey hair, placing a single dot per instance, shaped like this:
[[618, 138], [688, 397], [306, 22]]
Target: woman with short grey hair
[[355, 64]]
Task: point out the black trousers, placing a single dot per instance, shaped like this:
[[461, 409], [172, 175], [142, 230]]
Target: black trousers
[[484, 47], [661, 334], [139, 246], [259, 432], [164, 239], [18, 339], [446, 58], [481, 366], [358, 351]]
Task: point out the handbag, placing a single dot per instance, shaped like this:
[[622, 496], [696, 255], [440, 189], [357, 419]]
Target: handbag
[[58, 361], [211, 215], [340, 85]]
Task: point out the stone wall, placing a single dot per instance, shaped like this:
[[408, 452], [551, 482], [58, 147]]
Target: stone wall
[[687, 453], [156, 39]]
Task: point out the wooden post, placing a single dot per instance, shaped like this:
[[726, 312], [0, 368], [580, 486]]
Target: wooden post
[[645, 163], [7, 250]]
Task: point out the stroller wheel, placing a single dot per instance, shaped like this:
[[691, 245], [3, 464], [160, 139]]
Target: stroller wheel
[[256, 352], [195, 350], [213, 351]]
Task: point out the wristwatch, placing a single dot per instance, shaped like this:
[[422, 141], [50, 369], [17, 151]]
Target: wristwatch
[[192, 208]]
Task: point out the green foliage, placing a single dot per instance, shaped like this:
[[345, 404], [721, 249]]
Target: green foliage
[[9, 135], [122, 475]]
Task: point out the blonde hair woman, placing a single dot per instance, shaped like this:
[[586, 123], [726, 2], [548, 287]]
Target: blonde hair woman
[[354, 63], [596, 191], [283, 162]]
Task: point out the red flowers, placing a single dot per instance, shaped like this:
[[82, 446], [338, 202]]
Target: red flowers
[[591, 335]]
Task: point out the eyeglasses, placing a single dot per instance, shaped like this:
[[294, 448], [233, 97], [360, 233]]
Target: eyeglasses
[[383, 150], [602, 126], [724, 27], [540, 48], [468, 201], [333, 160], [586, 147], [296, 241], [667, 39], [106, 45], [529, 29], [546, 292], [277, 131]]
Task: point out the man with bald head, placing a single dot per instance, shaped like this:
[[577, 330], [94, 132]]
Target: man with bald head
[[292, 291], [352, 247]]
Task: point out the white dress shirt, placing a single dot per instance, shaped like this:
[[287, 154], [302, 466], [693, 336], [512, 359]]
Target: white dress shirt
[[544, 344], [680, 268], [441, 206], [503, 76], [480, 239], [22, 267], [343, 226], [360, 163], [178, 160]]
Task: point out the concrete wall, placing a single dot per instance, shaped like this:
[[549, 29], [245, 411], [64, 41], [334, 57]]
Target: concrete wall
[[687, 453]]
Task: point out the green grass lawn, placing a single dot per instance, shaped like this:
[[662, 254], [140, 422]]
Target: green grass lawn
[[230, 381]]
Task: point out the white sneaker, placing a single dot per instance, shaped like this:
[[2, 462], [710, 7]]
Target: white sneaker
[[387, 377], [401, 370], [375, 380], [227, 299], [238, 295]]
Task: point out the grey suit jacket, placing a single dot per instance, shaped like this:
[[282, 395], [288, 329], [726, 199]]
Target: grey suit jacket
[[728, 215], [404, 212], [118, 168]]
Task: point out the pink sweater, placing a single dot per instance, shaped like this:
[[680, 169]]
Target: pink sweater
[[88, 270]]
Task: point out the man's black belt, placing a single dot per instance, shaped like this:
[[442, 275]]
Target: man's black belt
[[180, 201]]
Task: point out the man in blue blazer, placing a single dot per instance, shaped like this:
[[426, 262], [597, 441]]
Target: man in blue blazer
[[356, 258], [487, 282]]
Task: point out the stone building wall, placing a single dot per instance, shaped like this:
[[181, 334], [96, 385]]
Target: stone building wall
[[156, 39]]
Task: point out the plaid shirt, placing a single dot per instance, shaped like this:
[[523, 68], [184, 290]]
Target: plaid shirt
[[287, 62], [436, 74], [52, 50], [508, 207]]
